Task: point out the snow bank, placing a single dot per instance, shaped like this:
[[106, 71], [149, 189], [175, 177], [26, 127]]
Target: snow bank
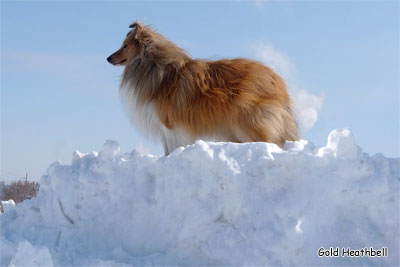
[[210, 204]]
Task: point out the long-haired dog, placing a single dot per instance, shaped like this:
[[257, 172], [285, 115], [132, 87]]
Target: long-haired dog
[[179, 99]]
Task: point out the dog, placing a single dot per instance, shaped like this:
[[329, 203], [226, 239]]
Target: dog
[[178, 99]]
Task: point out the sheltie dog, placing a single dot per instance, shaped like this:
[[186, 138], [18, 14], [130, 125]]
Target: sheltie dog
[[178, 99]]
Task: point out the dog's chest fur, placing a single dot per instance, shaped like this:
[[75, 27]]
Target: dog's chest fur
[[143, 116]]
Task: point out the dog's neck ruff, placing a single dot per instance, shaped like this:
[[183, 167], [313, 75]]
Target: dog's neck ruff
[[143, 79]]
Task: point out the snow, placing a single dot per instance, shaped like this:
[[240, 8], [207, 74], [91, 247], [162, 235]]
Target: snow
[[28, 255], [209, 204], [8, 205]]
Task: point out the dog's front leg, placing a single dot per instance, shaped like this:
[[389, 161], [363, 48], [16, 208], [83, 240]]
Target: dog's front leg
[[164, 142]]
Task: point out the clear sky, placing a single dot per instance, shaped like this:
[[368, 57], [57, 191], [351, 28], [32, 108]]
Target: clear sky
[[58, 93]]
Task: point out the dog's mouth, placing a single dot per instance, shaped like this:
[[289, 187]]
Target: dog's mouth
[[122, 61]]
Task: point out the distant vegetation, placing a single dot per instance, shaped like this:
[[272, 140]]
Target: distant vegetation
[[18, 191]]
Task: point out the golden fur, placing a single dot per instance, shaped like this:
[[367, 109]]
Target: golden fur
[[181, 100]]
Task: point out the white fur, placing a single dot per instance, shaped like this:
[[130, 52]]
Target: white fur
[[145, 117]]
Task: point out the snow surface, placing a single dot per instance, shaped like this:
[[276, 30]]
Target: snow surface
[[209, 204]]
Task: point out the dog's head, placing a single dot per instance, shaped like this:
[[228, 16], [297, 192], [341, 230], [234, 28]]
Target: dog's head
[[131, 47], [145, 43]]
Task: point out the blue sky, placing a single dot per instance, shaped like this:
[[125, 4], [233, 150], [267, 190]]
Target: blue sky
[[58, 93]]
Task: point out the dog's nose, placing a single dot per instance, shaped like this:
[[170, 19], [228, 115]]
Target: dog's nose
[[109, 59]]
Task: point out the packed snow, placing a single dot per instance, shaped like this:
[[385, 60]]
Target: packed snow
[[210, 204]]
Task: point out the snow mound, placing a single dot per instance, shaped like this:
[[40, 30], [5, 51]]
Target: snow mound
[[210, 204]]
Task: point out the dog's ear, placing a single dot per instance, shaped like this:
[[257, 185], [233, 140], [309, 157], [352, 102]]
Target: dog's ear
[[135, 24], [137, 29], [140, 32]]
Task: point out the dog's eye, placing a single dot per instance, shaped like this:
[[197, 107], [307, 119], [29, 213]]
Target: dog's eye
[[125, 46]]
